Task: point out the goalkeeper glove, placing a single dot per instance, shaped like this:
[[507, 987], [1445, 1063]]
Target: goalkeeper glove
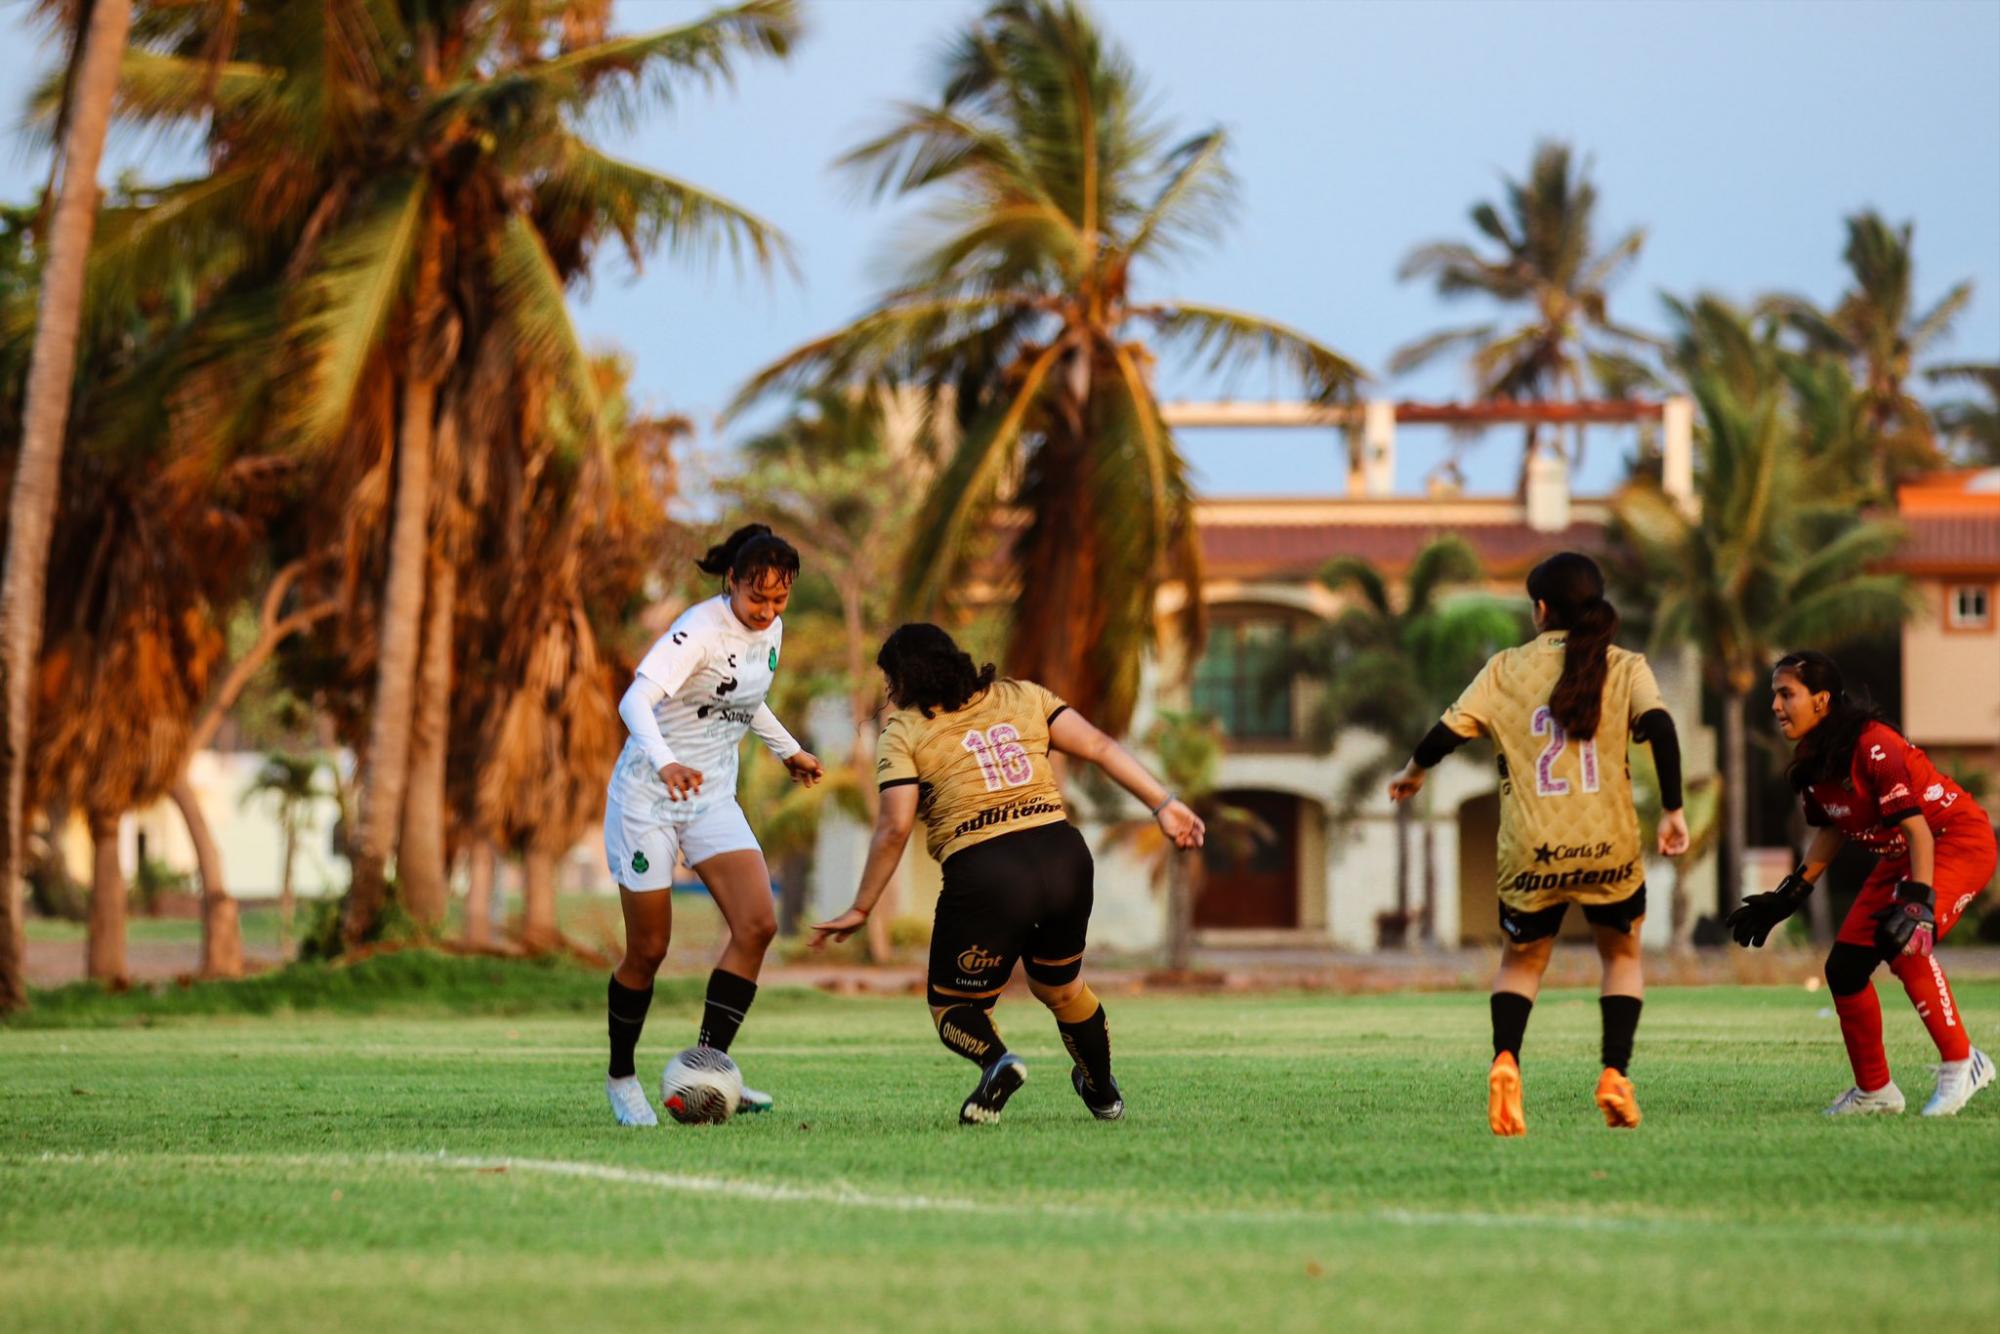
[[1753, 919], [1909, 924]]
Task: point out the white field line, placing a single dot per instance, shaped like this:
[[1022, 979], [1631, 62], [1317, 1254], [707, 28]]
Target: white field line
[[843, 1195]]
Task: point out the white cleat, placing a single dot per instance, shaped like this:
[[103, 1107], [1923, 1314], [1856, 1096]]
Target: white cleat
[[1884, 1101], [1958, 1081], [628, 1102], [753, 1101]]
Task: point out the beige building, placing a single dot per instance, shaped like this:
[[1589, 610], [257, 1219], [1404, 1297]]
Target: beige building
[[1327, 880], [1951, 650]]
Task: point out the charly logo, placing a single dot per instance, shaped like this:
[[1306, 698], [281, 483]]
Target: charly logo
[[1877, 753], [639, 862], [977, 960]]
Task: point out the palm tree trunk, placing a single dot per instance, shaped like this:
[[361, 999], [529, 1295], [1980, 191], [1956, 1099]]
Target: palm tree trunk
[[538, 899], [287, 898], [1181, 889], [38, 467], [792, 871], [395, 675], [104, 934], [1736, 804], [221, 931], [479, 894], [862, 754], [1426, 926], [420, 860], [1403, 867]]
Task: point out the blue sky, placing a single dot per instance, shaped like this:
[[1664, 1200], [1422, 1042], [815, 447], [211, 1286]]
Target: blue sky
[[1738, 135]]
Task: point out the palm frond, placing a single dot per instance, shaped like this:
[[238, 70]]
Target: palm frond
[[1231, 339], [530, 293], [350, 299], [1428, 348], [646, 207], [895, 338], [966, 490], [1192, 205]]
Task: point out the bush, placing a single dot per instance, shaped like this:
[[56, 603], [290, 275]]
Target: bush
[[321, 941]]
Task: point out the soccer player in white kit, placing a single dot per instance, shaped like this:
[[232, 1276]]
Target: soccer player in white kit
[[673, 794]]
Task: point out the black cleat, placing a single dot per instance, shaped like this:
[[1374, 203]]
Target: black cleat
[[997, 1084], [1114, 1110]]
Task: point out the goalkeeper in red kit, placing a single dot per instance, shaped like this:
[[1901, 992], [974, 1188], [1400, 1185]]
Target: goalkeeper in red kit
[[1861, 779]]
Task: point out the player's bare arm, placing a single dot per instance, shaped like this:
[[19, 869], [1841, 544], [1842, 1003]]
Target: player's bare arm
[[894, 819], [1073, 734]]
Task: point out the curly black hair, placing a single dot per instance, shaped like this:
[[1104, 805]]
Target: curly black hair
[[749, 552], [1826, 754], [928, 671]]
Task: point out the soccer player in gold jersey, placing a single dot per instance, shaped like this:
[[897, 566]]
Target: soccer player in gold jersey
[[1562, 710], [969, 755]]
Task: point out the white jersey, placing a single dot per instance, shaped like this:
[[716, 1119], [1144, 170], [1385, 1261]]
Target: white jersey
[[715, 672]]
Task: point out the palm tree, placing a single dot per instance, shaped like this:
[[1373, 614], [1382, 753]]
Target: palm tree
[[1389, 665], [86, 111], [566, 552], [842, 477], [1776, 557], [1974, 426], [291, 784], [1054, 188], [1877, 329], [396, 187], [1189, 748], [1541, 256]]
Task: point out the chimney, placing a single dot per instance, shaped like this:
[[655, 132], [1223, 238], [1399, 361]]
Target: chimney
[[1677, 449], [1548, 491], [1378, 448]]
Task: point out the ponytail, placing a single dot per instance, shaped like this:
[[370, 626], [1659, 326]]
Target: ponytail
[[750, 551], [1571, 586], [1826, 754]]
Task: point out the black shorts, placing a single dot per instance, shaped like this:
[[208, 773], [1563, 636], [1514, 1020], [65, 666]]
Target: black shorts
[[1523, 927], [1024, 895]]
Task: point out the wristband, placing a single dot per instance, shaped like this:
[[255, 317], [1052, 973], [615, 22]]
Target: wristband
[[1165, 802]]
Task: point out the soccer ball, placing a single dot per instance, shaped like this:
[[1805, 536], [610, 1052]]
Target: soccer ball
[[701, 1087]]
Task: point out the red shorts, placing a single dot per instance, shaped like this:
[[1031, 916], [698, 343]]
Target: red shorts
[[1963, 867]]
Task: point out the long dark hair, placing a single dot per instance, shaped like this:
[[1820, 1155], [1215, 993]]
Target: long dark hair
[[750, 551], [928, 671], [1572, 587], [1826, 754]]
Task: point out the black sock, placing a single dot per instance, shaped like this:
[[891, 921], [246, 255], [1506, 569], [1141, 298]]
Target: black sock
[[628, 1015], [729, 998], [1621, 1021], [1510, 1021], [969, 1031], [1089, 1043]]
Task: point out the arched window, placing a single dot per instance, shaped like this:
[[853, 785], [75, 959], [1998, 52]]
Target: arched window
[[1244, 679]]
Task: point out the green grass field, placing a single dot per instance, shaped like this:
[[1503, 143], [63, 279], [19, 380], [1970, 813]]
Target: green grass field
[[1289, 1162]]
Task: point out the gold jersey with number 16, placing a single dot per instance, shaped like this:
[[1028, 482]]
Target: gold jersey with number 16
[[1568, 832], [982, 770]]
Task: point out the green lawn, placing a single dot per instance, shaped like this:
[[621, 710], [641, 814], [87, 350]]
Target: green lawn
[[1290, 1162]]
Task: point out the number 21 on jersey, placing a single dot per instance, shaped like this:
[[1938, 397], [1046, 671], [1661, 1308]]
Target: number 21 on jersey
[[1003, 760], [1546, 782]]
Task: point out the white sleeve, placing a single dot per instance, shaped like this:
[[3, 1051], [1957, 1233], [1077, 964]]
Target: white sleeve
[[773, 734], [636, 708], [673, 658]]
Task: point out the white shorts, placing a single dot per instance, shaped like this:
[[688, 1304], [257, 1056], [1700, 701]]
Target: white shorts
[[641, 850]]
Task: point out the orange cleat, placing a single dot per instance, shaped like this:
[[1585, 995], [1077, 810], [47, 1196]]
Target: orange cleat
[[1616, 1100], [1503, 1096]]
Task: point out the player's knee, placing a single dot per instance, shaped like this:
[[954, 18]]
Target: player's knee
[[1848, 968], [1056, 995], [645, 954], [758, 932]]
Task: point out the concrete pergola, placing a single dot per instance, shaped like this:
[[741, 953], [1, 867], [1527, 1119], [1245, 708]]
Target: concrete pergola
[[1371, 469]]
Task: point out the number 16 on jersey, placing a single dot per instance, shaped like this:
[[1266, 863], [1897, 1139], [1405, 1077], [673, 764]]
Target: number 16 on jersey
[[1003, 760]]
